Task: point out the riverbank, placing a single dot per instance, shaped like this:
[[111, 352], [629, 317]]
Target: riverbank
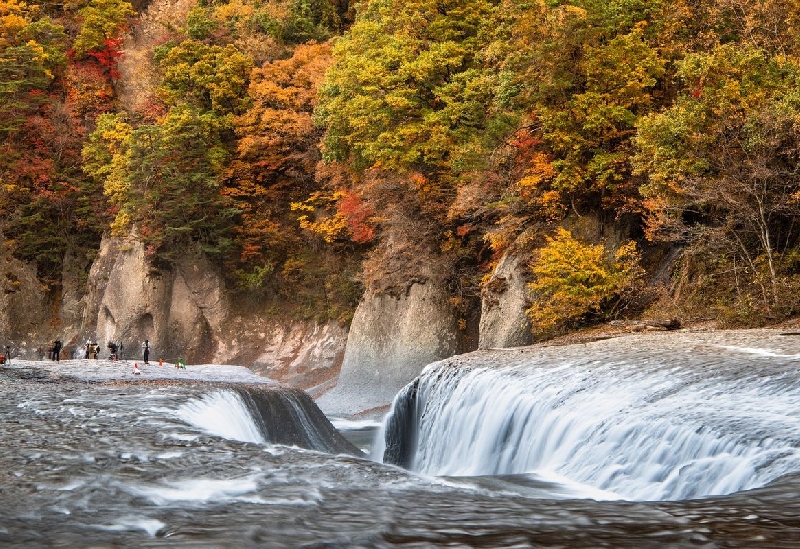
[[618, 329], [605, 341], [100, 371]]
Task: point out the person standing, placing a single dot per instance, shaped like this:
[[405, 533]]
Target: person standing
[[57, 350], [146, 347]]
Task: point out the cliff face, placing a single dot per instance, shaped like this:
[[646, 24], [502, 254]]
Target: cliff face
[[391, 340], [24, 308], [186, 312], [503, 320], [302, 354], [180, 311]]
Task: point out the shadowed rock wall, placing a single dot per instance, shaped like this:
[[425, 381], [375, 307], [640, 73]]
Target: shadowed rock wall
[[391, 340], [25, 309], [186, 312], [503, 304]]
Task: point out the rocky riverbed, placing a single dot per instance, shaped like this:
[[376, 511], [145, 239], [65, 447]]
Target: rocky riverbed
[[94, 455]]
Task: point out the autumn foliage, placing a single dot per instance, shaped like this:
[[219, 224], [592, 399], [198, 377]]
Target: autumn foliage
[[311, 146], [577, 282]]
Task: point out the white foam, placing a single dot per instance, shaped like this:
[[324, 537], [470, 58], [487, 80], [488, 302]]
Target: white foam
[[351, 424], [638, 431], [170, 455], [759, 352], [221, 413], [151, 526], [77, 483], [185, 437], [200, 491]]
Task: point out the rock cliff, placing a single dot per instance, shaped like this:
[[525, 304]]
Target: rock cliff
[[391, 340], [187, 312], [403, 323], [25, 309], [503, 321]]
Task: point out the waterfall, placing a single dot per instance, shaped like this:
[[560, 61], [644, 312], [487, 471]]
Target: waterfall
[[637, 426], [222, 413], [265, 415], [290, 417]]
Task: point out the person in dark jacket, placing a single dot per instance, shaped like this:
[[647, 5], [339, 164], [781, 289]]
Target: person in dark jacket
[[146, 347], [112, 347], [57, 350]]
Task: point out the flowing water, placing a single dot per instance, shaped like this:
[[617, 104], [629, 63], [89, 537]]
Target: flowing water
[[604, 445], [636, 430]]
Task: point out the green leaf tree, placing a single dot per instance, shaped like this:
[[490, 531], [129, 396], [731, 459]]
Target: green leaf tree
[[210, 77], [722, 162], [102, 21], [408, 91]]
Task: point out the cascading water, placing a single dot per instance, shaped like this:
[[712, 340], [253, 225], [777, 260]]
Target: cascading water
[[636, 426], [265, 415], [222, 413], [116, 464]]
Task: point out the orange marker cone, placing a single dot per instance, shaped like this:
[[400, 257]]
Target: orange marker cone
[[136, 370]]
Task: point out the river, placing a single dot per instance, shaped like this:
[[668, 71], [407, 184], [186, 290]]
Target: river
[[601, 445]]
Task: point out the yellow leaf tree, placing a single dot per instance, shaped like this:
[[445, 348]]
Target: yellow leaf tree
[[575, 282]]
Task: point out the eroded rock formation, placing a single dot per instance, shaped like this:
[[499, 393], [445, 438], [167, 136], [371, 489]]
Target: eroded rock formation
[[503, 321], [391, 340], [24, 308], [187, 312], [180, 311]]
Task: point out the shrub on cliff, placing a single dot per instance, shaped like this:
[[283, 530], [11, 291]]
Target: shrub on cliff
[[576, 282]]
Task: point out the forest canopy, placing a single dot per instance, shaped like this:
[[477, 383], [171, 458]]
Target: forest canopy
[[315, 149]]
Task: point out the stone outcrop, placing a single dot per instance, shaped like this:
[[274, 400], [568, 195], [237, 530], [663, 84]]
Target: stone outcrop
[[306, 355], [503, 303], [25, 309], [187, 312], [179, 311], [391, 340]]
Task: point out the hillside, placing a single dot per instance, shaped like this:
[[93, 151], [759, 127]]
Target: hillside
[[593, 160]]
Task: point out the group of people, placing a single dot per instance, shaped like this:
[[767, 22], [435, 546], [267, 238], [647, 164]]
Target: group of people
[[92, 351]]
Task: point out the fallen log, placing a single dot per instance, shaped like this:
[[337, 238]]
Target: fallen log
[[671, 324]]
